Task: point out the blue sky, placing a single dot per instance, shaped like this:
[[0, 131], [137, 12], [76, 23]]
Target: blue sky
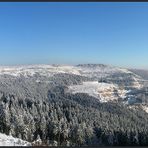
[[114, 33]]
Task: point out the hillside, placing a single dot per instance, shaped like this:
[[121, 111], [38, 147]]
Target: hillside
[[86, 104], [141, 72]]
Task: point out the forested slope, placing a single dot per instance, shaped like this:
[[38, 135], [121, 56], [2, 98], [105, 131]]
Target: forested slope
[[40, 109]]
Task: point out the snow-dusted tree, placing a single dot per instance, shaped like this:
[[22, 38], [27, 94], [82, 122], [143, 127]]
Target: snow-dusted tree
[[37, 142]]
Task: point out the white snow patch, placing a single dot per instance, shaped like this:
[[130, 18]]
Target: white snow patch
[[103, 91], [6, 140], [124, 70], [136, 84], [145, 108]]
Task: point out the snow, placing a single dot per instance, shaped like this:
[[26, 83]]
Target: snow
[[30, 70], [49, 70], [97, 71], [145, 108], [136, 84], [6, 140], [133, 107], [124, 70], [141, 106], [128, 91], [103, 91]]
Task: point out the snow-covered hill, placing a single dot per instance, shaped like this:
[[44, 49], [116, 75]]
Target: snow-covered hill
[[45, 70], [90, 70], [115, 77], [11, 141], [99, 70]]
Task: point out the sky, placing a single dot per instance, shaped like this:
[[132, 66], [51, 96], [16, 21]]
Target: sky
[[114, 33]]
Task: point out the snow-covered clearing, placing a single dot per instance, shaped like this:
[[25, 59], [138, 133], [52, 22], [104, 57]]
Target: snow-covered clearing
[[6, 140], [103, 91]]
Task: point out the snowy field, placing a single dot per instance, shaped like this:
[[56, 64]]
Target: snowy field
[[103, 91], [11, 141]]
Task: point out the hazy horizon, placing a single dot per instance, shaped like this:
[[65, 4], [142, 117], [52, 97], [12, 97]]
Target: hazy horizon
[[60, 64], [71, 33]]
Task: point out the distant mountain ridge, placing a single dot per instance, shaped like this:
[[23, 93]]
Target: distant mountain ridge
[[92, 65]]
